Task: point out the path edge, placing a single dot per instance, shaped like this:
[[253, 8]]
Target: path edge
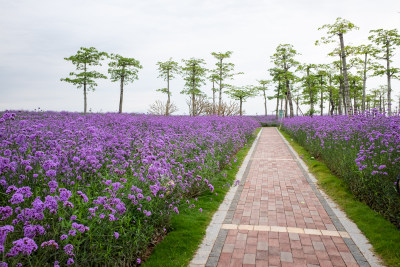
[[358, 244], [215, 236]]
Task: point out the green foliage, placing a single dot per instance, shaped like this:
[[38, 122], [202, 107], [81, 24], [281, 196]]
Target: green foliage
[[241, 93], [224, 70], [387, 42], [167, 71], [284, 57], [84, 58], [340, 27], [123, 68], [194, 75], [263, 86]]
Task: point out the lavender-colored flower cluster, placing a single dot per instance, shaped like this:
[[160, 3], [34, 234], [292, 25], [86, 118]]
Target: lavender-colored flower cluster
[[269, 120], [363, 149], [70, 182]]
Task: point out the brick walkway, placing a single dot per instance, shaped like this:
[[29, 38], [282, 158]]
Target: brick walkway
[[278, 219]]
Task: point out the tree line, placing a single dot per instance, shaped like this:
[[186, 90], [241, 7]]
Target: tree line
[[341, 84], [193, 71]]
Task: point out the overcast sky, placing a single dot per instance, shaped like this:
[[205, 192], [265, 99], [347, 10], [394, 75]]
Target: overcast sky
[[37, 35]]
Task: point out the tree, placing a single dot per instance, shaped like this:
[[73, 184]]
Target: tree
[[241, 94], [193, 74], [322, 72], [223, 71], [283, 58], [167, 71], [277, 76], [213, 78], [367, 65], [83, 59], [339, 28], [387, 40], [310, 84], [263, 89], [124, 70]]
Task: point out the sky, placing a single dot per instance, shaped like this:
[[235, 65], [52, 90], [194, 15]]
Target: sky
[[36, 36]]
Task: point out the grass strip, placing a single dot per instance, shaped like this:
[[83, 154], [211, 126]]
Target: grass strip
[[383, 236], [189, 226]]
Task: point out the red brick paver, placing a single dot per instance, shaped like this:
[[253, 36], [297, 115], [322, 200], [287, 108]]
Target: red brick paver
[[276, 193]]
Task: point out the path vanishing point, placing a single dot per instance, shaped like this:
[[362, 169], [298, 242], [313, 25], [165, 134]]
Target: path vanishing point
[[278, 217]]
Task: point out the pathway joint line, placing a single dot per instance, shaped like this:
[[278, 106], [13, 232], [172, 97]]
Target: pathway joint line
[[215, 234], [279, 229]]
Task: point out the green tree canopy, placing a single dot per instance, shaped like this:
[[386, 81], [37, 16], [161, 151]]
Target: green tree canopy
[[167, 71], [125, 70], [194, 75], [83, 59], [387, 42], [241, 93]]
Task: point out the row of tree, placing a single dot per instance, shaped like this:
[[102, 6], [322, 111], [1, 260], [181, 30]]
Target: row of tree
[[342, 83], [121, 69], [193, 71]]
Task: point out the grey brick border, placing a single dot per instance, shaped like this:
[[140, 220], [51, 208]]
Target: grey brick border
[[210, 250], [353, 247]]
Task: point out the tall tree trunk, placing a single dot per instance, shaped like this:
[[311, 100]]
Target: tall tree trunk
[[193, 104], [277, 100], [220, 87], [389, 87], [383, 104], [342, 100], [331, 102], [322, 99], [265, 101], [310, 92], [213, 89], [241, 101], [169, 97], [121, 96], [84, 91], [364, 83], [84, 98], [354, 97], [286, 103], [347, 107], [289, 98]]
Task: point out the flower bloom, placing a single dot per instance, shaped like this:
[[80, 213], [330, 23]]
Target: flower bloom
[[49, 243], [5, 212], [69, 250], [116, 235], [70, 261], [84, 197], [80, 227], [25, 246]]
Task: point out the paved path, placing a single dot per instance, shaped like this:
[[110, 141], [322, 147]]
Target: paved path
[[277, 217]]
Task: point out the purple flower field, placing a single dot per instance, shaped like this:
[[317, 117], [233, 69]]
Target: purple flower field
[[269, 120], [97, 188], [363, 149]]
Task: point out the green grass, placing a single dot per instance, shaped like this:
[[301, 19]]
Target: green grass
[[383, 236], [189, 227]]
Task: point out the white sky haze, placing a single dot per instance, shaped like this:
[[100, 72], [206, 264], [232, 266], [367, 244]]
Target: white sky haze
[[37, 35]]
